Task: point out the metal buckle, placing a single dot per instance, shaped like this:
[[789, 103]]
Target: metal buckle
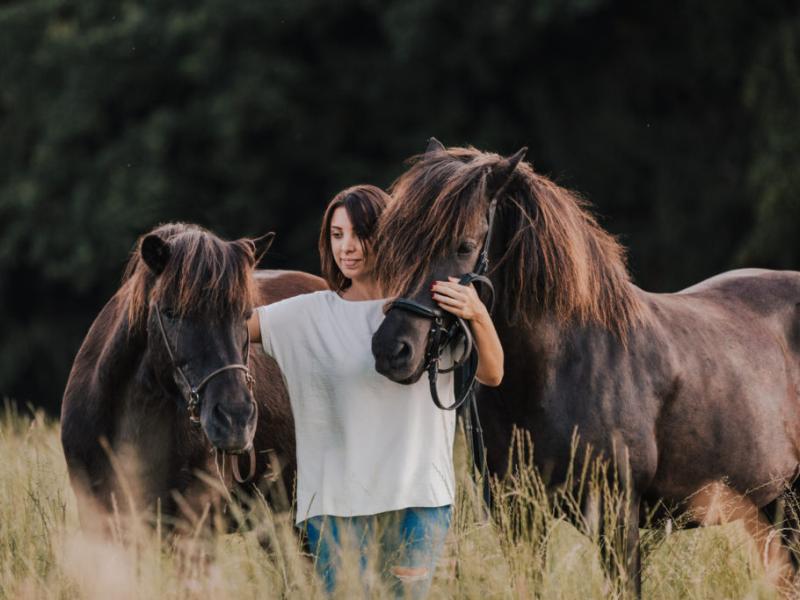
[[193, 405]]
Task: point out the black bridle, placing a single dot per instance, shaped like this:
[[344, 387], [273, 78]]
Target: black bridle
[[447, 329], [192, 398]]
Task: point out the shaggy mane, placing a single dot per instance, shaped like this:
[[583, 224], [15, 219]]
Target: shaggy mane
[[205, 276], [549, 253]]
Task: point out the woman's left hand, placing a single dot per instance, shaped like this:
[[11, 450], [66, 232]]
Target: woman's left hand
[[461, 300]]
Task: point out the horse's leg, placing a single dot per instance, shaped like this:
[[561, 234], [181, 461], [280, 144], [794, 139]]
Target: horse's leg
[[615, 528], [717, 504], [619, 544], [90, 474], [783, 514]]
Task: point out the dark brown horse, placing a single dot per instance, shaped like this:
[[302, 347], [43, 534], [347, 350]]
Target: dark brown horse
[[694, 393], [179, 317]]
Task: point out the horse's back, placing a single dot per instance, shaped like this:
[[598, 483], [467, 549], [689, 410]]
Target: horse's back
[[762, 289], [276, 284]]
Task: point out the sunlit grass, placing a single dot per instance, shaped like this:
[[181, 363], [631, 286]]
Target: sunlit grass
[[527, 550]]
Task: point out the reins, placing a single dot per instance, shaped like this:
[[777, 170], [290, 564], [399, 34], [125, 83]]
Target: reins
[[193, 399]]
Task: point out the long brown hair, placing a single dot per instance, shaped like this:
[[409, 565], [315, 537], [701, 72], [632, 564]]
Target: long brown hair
[[364, 205], [556, 257]]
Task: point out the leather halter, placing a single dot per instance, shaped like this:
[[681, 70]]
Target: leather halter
[[447, 328], [193, 400]]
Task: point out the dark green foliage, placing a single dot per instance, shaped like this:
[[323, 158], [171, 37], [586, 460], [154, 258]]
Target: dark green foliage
[[678, 120]]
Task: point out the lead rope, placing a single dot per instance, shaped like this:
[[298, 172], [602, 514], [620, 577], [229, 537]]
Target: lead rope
[[235, 466], [473, 432], [477, 446], [221, 473]]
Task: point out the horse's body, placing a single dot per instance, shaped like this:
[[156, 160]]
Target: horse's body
[[117, 404], [706, 389], [693, 395]]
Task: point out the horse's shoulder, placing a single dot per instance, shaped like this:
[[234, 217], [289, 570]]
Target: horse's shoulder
[[275, 284]]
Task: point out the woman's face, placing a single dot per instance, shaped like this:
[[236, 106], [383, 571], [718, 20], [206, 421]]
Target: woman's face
[[346, 246]]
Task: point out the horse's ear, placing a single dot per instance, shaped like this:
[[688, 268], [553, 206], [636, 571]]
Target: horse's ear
[[434, 145], [498, 176], [155, 253], [262, 245]]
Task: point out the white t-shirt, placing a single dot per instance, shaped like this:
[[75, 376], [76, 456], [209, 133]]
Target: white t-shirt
[[365, 444]]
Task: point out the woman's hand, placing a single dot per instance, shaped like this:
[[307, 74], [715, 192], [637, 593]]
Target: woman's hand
[[461, 300]]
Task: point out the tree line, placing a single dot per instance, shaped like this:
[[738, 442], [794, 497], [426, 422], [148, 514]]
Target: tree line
[[679, 121]]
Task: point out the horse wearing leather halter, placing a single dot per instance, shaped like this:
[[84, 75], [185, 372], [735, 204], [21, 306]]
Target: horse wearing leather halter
[[191, 394], [165, 392]]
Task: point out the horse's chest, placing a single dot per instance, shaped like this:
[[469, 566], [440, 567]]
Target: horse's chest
[[144, 439]]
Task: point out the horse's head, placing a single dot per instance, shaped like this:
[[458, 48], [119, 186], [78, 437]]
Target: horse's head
[[195, 292], [435, 227]]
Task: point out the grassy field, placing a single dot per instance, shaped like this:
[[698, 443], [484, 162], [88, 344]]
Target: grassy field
[[44, 555]]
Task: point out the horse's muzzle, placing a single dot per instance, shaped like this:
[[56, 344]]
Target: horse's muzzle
[[231, 429]]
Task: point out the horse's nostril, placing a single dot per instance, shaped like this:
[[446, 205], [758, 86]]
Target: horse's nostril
[[252, 412], [222, 416], [402, 351], [234, 417]]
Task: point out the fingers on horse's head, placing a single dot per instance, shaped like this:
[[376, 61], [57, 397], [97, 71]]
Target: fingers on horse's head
[[155, 253]]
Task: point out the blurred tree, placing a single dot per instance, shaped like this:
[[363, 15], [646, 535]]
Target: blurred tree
[[677, 120], [772, 93]]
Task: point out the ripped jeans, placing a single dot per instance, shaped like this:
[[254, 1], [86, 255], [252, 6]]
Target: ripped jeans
[[409, 542]]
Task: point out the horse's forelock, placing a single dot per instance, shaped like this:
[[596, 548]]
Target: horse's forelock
[[440, 199], [204, 275]]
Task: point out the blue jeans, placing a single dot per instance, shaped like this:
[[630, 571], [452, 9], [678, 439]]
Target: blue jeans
[[410, 543]]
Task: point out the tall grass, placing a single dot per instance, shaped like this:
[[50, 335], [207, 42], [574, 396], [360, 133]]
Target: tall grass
[[527, 550]]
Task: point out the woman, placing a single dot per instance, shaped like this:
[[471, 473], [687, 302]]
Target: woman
[[374, 458]]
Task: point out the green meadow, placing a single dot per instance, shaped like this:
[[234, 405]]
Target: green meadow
[[528, 550]]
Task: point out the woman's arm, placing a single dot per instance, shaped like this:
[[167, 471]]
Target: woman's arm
[[463, 301]]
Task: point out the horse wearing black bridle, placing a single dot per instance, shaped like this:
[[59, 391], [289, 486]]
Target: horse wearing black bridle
[[691, 396]]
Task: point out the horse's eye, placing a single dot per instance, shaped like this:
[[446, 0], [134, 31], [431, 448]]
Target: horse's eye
[[466, 248], [169, 313]]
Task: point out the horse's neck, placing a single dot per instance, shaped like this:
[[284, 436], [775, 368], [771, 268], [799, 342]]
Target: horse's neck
[[145, 414], [547, 350], [544, 346], [121, 358], [123, 372], [537, 339], [100, 381]]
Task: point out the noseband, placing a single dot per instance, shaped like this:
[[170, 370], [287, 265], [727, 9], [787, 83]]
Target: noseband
[[193, 400], [447, 329]]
